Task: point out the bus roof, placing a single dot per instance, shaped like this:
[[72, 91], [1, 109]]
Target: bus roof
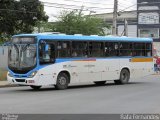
[[83, 37]]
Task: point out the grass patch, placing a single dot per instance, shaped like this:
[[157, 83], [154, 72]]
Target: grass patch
[[3, 74]]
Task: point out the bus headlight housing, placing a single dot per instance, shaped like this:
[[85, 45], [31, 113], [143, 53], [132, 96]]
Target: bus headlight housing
[[32, 74], [9, 74]]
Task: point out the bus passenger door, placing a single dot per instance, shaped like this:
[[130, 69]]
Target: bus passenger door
[[46, 58]]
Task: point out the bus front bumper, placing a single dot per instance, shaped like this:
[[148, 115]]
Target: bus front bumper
[[22, 81]]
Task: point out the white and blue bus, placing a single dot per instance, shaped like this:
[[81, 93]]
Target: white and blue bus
[[56, 59]]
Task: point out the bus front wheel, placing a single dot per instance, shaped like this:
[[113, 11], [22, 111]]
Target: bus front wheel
[[62, 81], [35, 87], [124, 77]]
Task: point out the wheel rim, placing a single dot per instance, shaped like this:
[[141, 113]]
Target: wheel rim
[[62, 81]]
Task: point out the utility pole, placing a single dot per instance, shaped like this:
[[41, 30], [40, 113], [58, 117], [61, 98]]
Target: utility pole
[[114, 27], [125, 27]]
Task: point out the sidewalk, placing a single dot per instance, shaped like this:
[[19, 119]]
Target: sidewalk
[[5, 84]]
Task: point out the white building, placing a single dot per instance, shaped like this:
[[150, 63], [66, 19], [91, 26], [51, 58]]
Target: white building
[[130, 16]]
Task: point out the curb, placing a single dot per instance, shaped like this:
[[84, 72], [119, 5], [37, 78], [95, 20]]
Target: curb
[[8, 85], [156, 74]]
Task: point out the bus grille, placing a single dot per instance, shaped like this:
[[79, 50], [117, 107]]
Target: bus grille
[[20, 80]]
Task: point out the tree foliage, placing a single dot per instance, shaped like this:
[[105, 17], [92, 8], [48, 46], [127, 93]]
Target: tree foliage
[[20, 16], [74, 22]]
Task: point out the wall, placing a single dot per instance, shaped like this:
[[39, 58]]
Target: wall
[[3, 57], [132, 30]]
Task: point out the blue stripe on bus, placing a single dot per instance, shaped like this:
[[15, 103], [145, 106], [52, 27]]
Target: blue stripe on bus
[[84, 38]]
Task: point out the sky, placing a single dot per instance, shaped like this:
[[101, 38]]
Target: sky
[[53, 7]]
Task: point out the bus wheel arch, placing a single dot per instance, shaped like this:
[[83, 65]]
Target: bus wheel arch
[[63, 79], [124, 76]]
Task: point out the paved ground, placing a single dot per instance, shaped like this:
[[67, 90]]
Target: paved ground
[[140, 96], [3, 83]]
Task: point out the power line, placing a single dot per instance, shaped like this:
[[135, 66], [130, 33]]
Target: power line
[[50, 4], [67, 7], [24, 11], [127, 8], [88, 2], [127, 1]]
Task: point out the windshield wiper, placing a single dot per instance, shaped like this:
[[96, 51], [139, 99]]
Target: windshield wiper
[[24, 48]]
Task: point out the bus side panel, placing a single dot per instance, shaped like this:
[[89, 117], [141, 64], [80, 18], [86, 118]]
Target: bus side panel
[[141, 67], [47, 76], [79, 71], [136, 68], [110, 69], [149, 68], [94, 70]]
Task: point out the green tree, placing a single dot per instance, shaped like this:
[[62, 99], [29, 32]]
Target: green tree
[[74, 22], [19, 16], [33, 12], [7, 17]]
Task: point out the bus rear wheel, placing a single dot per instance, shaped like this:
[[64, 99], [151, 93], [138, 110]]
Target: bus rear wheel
[[100, 82], [35, 87], [62, 81], [124, 77]]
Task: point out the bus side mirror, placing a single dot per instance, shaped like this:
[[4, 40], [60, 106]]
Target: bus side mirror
[[46, 48]]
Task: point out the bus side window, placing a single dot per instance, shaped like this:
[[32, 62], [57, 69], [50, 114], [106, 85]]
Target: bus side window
[[148, 49], [113, 48], [47, 56], [96, 49], [139, 49], [79, 49], [106, 49], [125, 49], [63, 48]]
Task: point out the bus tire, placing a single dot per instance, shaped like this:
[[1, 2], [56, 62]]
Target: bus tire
[[100, 82], [124, 77], [62, 81], [35, 87]]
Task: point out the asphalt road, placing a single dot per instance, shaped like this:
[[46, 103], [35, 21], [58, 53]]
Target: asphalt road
[[139, 96]]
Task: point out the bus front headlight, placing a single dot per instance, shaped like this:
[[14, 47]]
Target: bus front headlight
[[9, 74], [32, 74]]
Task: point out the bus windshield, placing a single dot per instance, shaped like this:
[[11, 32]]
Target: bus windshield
[[22, 57]]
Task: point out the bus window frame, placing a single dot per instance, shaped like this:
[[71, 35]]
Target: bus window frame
[[103, 48], [103, 55], [47, 41], [58, 49], [84, 49]]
